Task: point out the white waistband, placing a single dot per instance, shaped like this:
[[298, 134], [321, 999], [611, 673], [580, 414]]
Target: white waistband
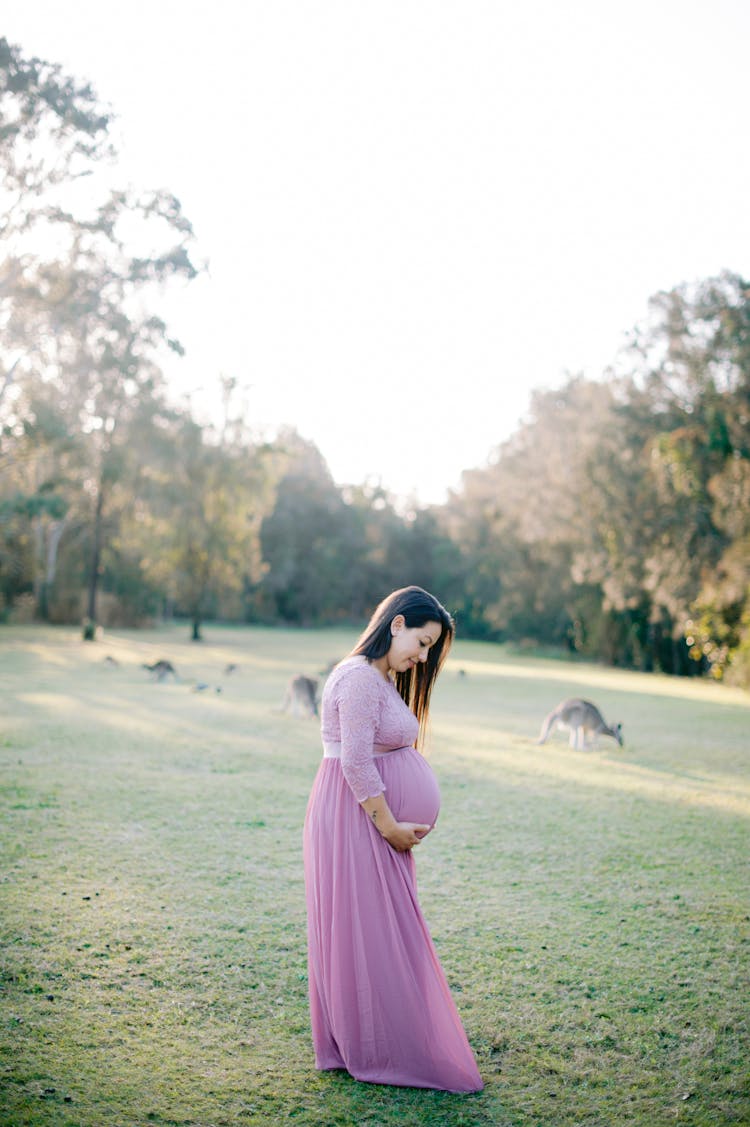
[[332, 750]]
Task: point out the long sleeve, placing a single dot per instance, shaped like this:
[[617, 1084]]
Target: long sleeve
[[360, 702]]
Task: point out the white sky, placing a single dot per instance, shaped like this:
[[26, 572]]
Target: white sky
[[416, 211]]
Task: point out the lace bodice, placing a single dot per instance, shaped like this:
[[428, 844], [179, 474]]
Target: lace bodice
[[360, 709]]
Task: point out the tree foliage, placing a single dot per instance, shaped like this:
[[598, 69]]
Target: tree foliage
[[80, 351], [616, 518]]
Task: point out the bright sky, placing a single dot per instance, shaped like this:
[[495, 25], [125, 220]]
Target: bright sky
[[416, 211]]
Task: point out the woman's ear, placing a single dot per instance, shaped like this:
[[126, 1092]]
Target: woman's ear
[[397, 625]]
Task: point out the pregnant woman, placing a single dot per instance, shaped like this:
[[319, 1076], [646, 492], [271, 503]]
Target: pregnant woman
[[379, 1000]]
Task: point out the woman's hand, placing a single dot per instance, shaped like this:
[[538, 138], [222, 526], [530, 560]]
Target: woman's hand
[[401, 836], [405, 835]]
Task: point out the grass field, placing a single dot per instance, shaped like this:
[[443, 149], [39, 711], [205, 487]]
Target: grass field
[[591, 909]]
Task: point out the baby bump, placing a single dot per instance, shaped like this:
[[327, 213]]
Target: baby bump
[[412, 790]]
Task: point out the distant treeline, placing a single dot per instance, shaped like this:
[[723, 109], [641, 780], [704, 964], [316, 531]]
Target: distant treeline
[[615, 522]]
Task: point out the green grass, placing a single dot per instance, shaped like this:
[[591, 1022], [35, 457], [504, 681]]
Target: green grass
[[590, 908]]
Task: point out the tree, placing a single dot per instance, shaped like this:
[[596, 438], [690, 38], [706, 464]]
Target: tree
[[76, 316], [519, 520], [302, 537], [695, 369], [205, 504]]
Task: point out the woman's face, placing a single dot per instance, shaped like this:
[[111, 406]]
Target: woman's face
[[410, 644]]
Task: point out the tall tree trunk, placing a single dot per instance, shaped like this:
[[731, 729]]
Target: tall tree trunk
[[40, 599], [53, 530], [89, 625]]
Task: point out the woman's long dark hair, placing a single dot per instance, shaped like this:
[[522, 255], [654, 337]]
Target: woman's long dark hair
[[418, 607]]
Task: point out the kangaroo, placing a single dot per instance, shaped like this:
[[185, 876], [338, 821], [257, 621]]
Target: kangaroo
[[583, 720], [301, 696], [161, 669]]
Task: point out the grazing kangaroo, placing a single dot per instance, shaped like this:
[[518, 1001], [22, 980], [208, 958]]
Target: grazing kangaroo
[[301, 696], [583, 720], [161, 669]]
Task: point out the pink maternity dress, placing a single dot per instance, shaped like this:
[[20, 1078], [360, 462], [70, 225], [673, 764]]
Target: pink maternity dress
[[379, 999]]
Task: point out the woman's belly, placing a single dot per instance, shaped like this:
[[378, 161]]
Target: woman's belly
[[412, 791]]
